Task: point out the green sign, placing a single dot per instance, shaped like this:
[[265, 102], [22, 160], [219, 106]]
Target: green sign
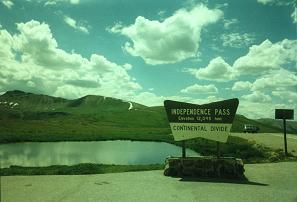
[[210, 121], [284, 114]]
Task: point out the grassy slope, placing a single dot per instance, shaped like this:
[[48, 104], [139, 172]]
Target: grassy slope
[[46, 118], [291, 125]]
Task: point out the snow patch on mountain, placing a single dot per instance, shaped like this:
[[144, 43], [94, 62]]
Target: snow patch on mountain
[[131, 106]]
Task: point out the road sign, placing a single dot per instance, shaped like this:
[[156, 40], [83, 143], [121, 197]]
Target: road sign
[[210, 121], [284, 114]]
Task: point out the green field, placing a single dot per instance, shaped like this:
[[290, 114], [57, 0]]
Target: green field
[[32, 117], [271, 140]]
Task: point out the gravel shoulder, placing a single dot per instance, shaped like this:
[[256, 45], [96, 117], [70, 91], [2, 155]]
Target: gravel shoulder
[[267, 182]]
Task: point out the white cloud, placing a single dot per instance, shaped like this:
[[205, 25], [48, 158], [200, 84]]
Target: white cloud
[[8, 3], [265, 1], [256, 110], [217, 70], [196, 89], [127, 66], [221, 5], [294, 15], [266, 57], [267, 61], [74, 1], [276, 2], [72, 23], [237, 40], [55, 2], [290, 96], [170, 41], [242, 85], [45, 68], [151, 99], [6, 41], [257, 96], [229, 23], [278, 80]]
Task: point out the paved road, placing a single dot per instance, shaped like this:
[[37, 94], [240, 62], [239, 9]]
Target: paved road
[[268, 182]]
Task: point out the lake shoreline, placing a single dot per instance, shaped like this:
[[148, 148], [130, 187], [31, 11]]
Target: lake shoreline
[[93, 168], [248, 151], [78, 169]]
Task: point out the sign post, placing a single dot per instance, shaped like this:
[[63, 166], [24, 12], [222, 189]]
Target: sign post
[[218, 150], [211, 121], [284, 114], [184, 149]]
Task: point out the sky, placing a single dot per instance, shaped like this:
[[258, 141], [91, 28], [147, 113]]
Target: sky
[[196, 51]]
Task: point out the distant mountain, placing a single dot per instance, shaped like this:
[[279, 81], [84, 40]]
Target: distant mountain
[[28, 116]]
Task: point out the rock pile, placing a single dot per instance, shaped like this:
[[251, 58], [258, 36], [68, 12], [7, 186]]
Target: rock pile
[[224, 167]]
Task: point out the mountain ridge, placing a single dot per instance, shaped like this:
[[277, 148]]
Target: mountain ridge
[[25, 114]]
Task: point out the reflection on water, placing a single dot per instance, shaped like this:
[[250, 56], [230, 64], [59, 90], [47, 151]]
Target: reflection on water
[[70, 153]]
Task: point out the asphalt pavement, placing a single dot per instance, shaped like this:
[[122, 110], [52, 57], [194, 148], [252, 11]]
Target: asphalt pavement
[[267, 182]]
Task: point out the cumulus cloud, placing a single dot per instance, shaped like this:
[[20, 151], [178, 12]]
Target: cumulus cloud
[[127, 66], [74, 1], [257, 96], [172, 40], [237, 40], [217, 70], [32, 61], [196, 89], [8, 3], [54, 2], [278, 80], [290, 96], [72, 23], [266, 57], [263, 60], [256, 110], [242, 85], [151, 99]]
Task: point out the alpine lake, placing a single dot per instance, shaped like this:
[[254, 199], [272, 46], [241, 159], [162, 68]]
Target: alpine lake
[[119, 152]]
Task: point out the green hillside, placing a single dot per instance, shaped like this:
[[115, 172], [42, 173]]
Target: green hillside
[[32, 117], [290, 125]]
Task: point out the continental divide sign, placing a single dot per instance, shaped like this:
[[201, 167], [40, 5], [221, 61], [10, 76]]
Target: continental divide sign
[[210, 121]]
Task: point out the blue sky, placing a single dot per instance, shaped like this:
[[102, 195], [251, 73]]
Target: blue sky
[[148, 51]]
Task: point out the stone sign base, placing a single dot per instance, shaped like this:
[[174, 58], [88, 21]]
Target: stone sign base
[[224, 167]]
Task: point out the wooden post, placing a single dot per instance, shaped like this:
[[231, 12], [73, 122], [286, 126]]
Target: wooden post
[[218, 150], [285, 137], [184, 149]]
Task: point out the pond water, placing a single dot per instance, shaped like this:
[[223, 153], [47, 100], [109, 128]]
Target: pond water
[[70, 153]]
